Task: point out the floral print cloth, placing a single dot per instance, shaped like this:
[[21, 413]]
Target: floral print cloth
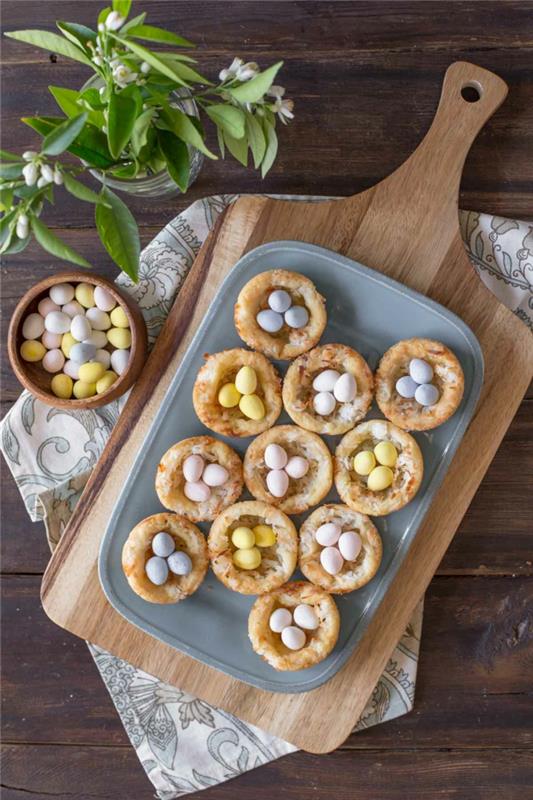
[[183, 743]]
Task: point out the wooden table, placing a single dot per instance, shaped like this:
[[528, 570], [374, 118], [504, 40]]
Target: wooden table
[[366, 78]]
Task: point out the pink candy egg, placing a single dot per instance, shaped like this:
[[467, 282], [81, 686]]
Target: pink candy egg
[[297, 467], [277, 482], [349, 545], [275, 456], [193, 466], [328, 534], [197, 491], [331, 560], [215, 475]]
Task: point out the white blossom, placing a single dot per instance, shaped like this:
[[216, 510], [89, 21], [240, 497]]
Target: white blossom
[[276, 91], [114, 21], [231, 71], [283, 108], [22, 226], [30, 172], [145, 68], [98, 60], [47, 173], [42, 182], [29, 155], [58, 178], [247, 71], [122, 75], [101, 28]]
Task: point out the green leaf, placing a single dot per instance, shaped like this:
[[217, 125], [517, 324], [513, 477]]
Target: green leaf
[[177, 157], [229, 118], [138, 20], [7, 156], [252, 91], [119, 234], [77, 34], [122, 114], [15, 245], [185, 129], [256, 139], [66, 100], [127, 171], [150, 58], [50, 242], [79, 189], [152, 34], [139, 134], [11, 171], [91, 97], [6, 199], [7, 226], [122, 6], [90, 146], [238, 148], [51, 41], [271, 148], [58, 140], [220, 137]]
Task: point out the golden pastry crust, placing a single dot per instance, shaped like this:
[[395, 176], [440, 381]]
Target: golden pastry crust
[[298, 391], [354, 574], [278, 561], [169, 481], [221, 368], [320, 642], [303, 493], [408, 470], [448, 377], [137, 550], [288, 342]]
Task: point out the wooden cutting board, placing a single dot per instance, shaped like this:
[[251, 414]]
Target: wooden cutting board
[[407, 227]]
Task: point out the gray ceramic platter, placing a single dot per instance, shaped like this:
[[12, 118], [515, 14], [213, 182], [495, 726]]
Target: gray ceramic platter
[[367, 311]]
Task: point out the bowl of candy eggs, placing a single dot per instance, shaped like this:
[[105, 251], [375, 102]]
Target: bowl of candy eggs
[[76, 341]]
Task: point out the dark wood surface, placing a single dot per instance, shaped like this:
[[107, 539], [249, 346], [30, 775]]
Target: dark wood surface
[[366, 78]]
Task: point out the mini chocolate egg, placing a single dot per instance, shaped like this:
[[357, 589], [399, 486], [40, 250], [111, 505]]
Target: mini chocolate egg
[[119, 360], [364, 462], [85, 295], [67, 343], [247, 559], [73, 309], [246, 380], [279, 301], [215, 475], [296, 317], [228, 396], [80, 327], [349, 545], [33, 326], [83, 390], [324, 403], [325, 381], [57, 322], [252, 406], [53, 360], [103, 299], [106, 381], [31, 350], [119, 318], [265, 535], [277, 482], [279, 619], [406, 386], [51, 340], [345, 388], [380, 478], [197, 491], [328, 534], [61, 293], [293, 637], [331, 560], [163, 544], [99, 320], [180, 563], [82, 352], [270, 321], [420, 371], [119, 337], [72, 369], [91, 371], [386, 453], [156, 570], [275, 456], [46, 305], [426, 394], [193, 466], [306, 617], [243, 538], [297, 467], [102, 356], [98, 338], [61, 386]]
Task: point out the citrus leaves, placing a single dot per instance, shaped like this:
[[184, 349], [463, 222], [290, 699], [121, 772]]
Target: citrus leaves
[[118, 232]]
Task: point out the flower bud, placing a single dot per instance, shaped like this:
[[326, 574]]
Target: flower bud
[[42, 182], [114, 21], [145, 68], [29, 155], [47, 173], [22, 226], [58, 178], [30, 173]]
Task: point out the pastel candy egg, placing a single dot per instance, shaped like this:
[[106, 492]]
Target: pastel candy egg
[[33, 326], [275, 456], [180, 563], [53, 360], [106, 381], [345, 388], [279, 301], [32, 351], [406, 386], [67, 343], [331, 560], [252, 406], [305, 617], [46, 305], [324, 403], [270, 321], [364, 462], [103, 299], [325, 381], [247, 559], [72, 369], [61, 386], [98, 338], [82, 390], [279, 619], [243, 538], [197, 491], [156, 570], [349, 545], [119, 318], [51, 340], [119, 337], [246, 380], [61, 293], [277, 482], [328, 534], [297, 467], [99, 320], [103, 357], [427, 394], [297, 317], [265, 536], [215, 475], [163, 544], [91, 371], [85, 294], [119, 360], [57, 322], [80, 327], [386, 453], [293, 637], [420, 371], [193, 466], [380, 478], [72, 309], [81, 352], [228, 396]]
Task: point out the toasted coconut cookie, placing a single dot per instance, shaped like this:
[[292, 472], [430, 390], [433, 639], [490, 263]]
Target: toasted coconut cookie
[[262, 554], [378, 468], [419, 384], [231, 411], [280, 313], [315, 636], [329, 389], [202, 486], [289, 467], [352, 535], [165, 558]]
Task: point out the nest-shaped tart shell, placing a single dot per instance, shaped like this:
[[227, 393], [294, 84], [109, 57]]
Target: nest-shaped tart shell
[[354, 574], [278, 561], [319, 643], [448, 377], [303, 493], [298, 392], [137, 550], [288, 342], [408, 470], [169, 481], [221, 368]]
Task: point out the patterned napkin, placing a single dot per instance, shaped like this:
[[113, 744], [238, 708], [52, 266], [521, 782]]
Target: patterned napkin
[[183, 743]]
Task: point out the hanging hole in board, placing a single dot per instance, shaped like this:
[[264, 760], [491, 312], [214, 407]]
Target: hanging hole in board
[[471, 92]]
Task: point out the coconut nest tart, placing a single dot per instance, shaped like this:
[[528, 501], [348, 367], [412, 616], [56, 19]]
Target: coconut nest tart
[[220, 370], [299, 394], [170, 481], [287, 342], [354, 573], [448, 378], [303, 492], [318, 642], [407, 472], [138, 549], [278, 561]]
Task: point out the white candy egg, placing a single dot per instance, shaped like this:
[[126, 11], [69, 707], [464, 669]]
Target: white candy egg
[[324, 403], [156, 570], [297, 467], [193, 466], [427, 394], [57, 322], [420, 371], [279, 301], [33, 326], [305, 617], [279, 619], [349, 545], [328, 534], [197, 491], [345, 388], [215, 475], [119, 360], [104, 300], [98, 338], [275, 456], [406, 386], [61, 293], [51, 340], [73, 309], [102, 356], [53, 360], [269, 321], [293, 637], [325, 381], [297, 317], [180, 563], [98, 319], [82, 352], [331, 560], [163, 544], [46, 305], [72, 369], [80, 327], [277, 482]]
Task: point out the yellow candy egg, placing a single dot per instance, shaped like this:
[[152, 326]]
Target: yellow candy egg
[[247, 559], [119, 338], [252, 406], [386, 453], [62, 386], [228, 396], [364, 462], [32, 350], [264, 536], [91, 372], [119, 318], [106, 381], [246, 380], [82, 390], [84, 294], [243, 538], [380, 478], [66, 343]]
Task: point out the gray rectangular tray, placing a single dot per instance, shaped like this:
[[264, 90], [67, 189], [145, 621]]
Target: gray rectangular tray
[[367, 311]]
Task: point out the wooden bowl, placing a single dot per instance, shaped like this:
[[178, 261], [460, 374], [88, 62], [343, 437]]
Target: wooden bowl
[[37, 380]]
